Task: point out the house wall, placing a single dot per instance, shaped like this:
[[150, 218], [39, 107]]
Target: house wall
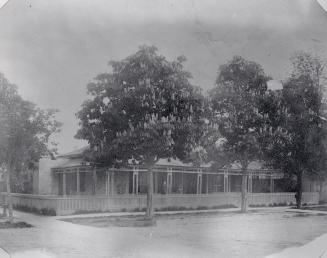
[[45, 181], [121, 183], [36, 181], [89, 184]]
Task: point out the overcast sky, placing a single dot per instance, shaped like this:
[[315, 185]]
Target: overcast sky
[[52, 49]]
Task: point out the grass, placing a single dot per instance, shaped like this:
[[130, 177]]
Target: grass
[[181, 208], [122, 221], [169, 208], [316, 208], [20, 224], [281, 204]]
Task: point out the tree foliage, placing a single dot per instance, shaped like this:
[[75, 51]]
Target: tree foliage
[[236, 103], [298, 145], [237, 107], [25, 132], [145, 109]]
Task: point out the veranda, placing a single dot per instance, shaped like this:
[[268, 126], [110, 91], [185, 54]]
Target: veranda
[[88, 180], [84, 188]]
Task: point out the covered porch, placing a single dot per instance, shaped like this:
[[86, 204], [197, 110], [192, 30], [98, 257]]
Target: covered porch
[[88, 180]]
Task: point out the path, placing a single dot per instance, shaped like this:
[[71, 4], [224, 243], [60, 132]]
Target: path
[[316, 248]]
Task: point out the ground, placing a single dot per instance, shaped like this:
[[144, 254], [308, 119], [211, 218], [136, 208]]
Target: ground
[[227, 234]]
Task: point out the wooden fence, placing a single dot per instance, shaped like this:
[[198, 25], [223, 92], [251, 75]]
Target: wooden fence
[[75, 204]]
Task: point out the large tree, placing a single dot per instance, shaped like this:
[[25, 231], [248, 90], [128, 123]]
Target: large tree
[[144, 110], [25, 132], [299, 146], [241, 86]]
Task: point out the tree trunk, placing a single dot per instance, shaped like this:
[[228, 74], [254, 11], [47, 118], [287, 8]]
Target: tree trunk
[[298, 194], [9, 200], [244, 204], [321, 185], [149, 199]]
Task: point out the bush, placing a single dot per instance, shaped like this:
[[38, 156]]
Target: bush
[[20, 224], [257, 205], [202, 208], [225, 206], [86, 212]]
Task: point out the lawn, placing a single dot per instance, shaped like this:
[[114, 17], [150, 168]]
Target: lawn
[[316, 208]]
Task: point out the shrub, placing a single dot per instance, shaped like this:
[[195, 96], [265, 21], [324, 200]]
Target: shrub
[[202, 208], [86, 211], [225, 206], [258, 205]]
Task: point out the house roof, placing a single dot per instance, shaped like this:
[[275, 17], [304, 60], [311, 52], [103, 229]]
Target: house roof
[[64, 162], [254, 165], [78, 153], [75, 158], [178, 163]]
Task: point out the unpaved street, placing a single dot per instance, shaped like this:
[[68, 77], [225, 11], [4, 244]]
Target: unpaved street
[[256, 234]]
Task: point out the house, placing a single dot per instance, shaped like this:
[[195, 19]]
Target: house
[[70, 175], [71, 185]]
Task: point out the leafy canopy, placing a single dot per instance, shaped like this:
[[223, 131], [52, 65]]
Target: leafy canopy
[[236, 103], [25, 130], [145, 109], [301, 146]]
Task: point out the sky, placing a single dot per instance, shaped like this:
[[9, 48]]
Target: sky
[[52, 49]]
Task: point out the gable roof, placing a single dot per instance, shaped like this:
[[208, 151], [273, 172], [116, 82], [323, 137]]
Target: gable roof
[[78, 153]]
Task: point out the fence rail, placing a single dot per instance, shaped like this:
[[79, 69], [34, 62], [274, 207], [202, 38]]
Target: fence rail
[[72, 204]]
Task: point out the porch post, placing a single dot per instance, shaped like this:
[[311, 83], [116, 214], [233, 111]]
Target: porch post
[[64, 184], [199, 182], [78, 189], [135, 180], [182, 183], [250, 183], [112, 183], [155, 190], [107, 183], [169, 180], [94, 172], [207, 190], [226, 181], [272, 186]]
